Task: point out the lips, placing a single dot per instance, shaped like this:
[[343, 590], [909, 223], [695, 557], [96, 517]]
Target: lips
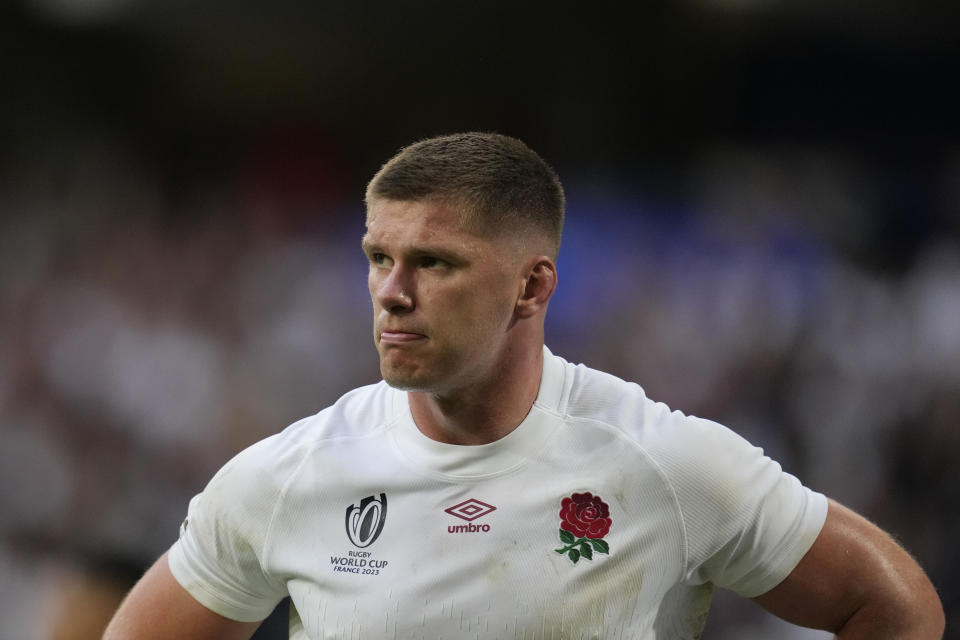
[[400, 337]]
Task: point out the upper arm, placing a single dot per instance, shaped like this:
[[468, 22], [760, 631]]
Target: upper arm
[[158, 607], [853, 575]]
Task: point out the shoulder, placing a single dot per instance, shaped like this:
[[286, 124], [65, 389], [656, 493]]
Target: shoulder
[[624, 406], [356, 414], [745, 522], [597, 395], [261, 471], [685, 448]]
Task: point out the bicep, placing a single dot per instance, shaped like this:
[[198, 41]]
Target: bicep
[[853, 568], [158, 607]]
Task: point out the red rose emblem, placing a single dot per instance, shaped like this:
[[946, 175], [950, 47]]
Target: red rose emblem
[[584, 520], [585, 516]]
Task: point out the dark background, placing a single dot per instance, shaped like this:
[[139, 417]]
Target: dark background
[[763, 229]]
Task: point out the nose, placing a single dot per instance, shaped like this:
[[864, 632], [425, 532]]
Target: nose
[[394, 290]]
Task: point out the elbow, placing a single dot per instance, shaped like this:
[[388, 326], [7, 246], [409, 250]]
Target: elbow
[[928, 620], [938, 618], [925, 610], [918, 616]]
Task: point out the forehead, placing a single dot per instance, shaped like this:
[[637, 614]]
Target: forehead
[[400, 221]]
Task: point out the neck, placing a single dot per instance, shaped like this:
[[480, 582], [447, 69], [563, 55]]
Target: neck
[[485, 411]]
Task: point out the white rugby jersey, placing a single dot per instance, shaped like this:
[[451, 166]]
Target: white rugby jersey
[[603, 515]]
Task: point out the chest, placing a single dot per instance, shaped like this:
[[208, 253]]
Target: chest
[[582, 554]]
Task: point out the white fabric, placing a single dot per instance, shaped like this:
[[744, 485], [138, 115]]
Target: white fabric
[[691, 505]]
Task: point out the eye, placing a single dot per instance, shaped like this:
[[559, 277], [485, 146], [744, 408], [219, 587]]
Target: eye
[[431, 262], [379, 259]]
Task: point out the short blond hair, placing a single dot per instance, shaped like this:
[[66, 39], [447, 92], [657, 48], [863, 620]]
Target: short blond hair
[[497, 182]]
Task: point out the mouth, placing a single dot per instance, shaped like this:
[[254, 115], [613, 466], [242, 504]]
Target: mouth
[[400, 337]]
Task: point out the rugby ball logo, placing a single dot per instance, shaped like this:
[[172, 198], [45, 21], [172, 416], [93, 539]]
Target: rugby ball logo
[[365, 521]]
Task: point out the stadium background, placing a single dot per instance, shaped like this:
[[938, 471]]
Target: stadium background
[[764, 229]]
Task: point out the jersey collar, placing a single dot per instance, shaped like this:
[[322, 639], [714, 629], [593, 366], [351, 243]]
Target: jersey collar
[[495, 458]]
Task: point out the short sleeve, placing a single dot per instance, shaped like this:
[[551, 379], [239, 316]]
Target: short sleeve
[[747, 523], [219, 557]]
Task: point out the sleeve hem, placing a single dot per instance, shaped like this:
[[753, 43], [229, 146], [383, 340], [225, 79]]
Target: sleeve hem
[[791, 554], [209, 598]]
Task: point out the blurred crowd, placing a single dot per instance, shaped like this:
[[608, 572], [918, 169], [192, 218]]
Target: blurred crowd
[[146, 338]]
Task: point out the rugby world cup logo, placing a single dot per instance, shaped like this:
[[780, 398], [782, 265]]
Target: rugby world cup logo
[[365, 521]]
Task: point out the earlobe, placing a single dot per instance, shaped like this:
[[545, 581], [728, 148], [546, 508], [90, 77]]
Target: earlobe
[[538, 287]]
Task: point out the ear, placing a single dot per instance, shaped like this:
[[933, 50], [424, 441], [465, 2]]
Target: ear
[[540, 283]]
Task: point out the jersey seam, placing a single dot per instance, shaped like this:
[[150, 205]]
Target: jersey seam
[[314, 444], [684, 547]]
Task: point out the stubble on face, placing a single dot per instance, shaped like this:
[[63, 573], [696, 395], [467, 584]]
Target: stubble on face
[[459, 311]]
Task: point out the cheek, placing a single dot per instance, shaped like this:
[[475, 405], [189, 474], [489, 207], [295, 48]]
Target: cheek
[[373, 286], [489, 308], [459, 314], [482, 307]]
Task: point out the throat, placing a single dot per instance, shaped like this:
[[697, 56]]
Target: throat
[[484, 408], [464, 420]]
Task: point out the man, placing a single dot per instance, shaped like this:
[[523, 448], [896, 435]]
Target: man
[[489, 489]]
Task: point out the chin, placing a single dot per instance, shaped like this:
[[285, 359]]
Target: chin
[[406, 380], [426, 375]]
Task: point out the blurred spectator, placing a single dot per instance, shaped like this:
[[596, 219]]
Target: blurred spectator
[[145, 340]]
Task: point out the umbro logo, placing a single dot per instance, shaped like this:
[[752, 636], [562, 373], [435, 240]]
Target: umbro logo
[[469, 510]]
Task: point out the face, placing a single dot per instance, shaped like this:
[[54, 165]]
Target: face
[[443, 296]]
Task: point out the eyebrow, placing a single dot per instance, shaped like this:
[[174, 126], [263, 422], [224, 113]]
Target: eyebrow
[[369, 247]]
